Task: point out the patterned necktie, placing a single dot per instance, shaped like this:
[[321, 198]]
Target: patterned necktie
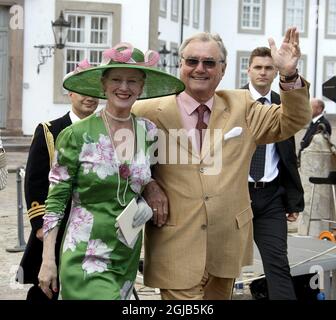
[[257, 169], [200, 125]]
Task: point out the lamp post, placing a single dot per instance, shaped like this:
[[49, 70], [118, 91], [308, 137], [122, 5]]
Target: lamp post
[[60, 30], [168, 59], [164, 52]]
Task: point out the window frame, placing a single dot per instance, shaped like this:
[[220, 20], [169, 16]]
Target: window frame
[[327, 35], [60, 55], [87, 47], [163, 13], [196, 23], [174, 17], [303, 34], [304, 59], [242, 29], [239, 55], [327, 59], [186, 13]]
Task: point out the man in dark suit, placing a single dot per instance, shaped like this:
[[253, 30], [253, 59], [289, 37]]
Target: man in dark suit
[[318, 122], [36, 189], [275, 186]]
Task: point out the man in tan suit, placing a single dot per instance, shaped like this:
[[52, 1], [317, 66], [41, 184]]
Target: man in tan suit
[[196, 249]]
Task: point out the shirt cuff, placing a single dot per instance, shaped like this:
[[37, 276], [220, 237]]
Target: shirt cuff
[[287, 86]]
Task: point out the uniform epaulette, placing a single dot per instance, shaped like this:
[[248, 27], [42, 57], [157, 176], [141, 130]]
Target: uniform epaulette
[[36, 210], [49, 138]]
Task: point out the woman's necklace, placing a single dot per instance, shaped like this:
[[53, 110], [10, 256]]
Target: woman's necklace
[[109, 131], [117, 118]]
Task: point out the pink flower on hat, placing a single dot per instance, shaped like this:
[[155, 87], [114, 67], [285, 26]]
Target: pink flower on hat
[[83, 65], [122, 53]]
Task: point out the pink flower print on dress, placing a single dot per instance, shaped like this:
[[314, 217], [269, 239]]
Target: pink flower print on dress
[[58, 174], [79, 228], [97, 256], [140, 172], [152, 130], [150, 127], [50, 221], [105, 148], [88, 156], [98, 157], [124, 171]]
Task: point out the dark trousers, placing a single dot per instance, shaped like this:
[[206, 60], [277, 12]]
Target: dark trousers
[[270, 236]]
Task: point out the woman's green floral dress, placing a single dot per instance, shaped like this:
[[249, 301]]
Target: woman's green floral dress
[[94, 263]]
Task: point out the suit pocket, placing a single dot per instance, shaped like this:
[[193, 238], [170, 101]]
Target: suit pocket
[[232, 148], [244, 217]]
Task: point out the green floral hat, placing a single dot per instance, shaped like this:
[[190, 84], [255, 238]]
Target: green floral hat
[[86, 79]]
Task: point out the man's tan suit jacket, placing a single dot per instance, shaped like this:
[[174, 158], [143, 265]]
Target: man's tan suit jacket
[[210, 217]]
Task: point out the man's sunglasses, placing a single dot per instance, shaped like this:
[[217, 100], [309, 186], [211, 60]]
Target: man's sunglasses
[[207, 63]]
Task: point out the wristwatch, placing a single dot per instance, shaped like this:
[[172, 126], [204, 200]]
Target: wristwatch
[[291, 78]]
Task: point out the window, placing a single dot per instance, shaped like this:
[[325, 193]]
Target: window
[[175, 8], [302, 65], [163, 8], [91, 32], [251, 16], [242, 65], [331, 19], [186, 13], [88, 37], [196, 14], [296, 15], [329, 68]]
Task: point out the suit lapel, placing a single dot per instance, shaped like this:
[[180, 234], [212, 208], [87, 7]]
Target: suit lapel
[[218, 119], [66, 120], [169, 115]]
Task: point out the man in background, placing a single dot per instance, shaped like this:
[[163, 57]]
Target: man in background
[[274, 184], [318, 122]]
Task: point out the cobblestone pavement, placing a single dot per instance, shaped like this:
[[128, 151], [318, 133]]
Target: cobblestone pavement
[[9, 261]]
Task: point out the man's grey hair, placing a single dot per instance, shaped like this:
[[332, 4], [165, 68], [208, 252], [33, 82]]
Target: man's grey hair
[[205, 37], [320, 103]]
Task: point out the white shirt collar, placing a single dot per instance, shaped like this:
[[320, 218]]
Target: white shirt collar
[[256, 95], [73, 117], [317, 117]]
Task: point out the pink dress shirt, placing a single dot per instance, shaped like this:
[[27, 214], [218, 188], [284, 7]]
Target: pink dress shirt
[[187, 106]]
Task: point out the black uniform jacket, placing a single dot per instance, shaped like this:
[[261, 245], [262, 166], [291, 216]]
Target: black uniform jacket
[[36, 191], [288, 171], [312, 129]]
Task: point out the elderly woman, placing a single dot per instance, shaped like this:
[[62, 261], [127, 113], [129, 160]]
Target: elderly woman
[[103, 163]]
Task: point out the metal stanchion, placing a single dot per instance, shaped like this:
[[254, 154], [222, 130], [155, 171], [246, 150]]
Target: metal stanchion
[[20, 172]]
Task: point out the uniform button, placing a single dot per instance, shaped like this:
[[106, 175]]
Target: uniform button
[[201, 170], [206, 198], [203, 226]]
